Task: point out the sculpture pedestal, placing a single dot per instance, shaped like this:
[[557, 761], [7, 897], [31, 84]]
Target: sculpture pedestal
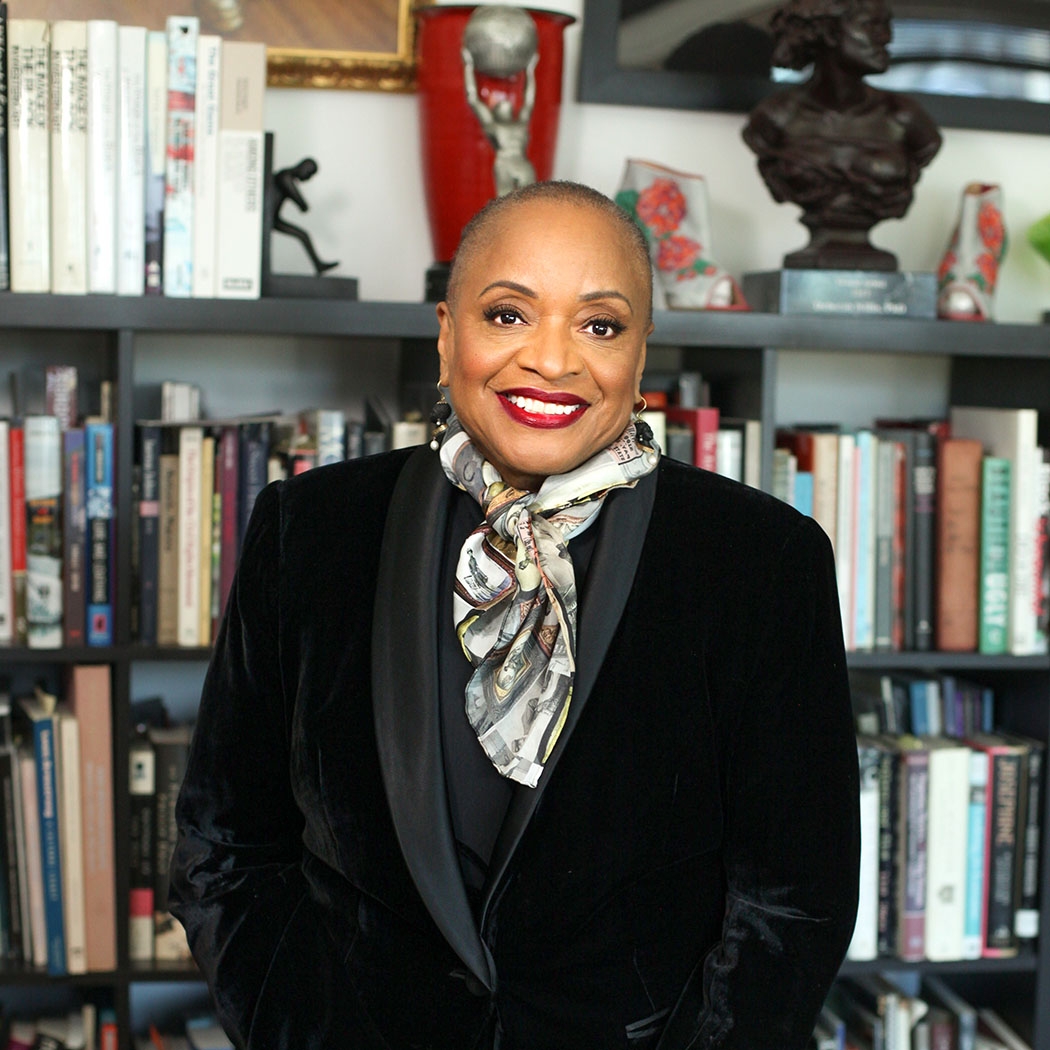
[[844, 293]]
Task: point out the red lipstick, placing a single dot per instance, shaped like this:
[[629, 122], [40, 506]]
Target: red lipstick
[[528, 416]]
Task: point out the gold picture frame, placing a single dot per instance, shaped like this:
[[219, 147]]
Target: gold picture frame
[[375, 38]]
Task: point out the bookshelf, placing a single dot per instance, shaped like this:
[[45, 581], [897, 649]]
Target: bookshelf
[[269, 347]]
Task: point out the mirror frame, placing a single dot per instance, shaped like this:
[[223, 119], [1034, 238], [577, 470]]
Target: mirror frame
[[601, 79]]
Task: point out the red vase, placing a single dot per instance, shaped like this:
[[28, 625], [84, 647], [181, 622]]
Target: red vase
[[457, 157]]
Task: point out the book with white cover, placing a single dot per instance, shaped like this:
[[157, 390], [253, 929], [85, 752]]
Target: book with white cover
[[156, 156], [43, 495], [191, 440], [7, 623], [1011, 433], [241, 170], [131, 161], [181, 124], [206, 165], [102, 155], [29, 154], [69, 133], [865, 941]]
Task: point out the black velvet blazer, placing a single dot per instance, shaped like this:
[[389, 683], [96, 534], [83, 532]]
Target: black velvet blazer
[[683, 877]]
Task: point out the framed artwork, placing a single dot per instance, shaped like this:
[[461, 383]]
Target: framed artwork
[[364, 44]]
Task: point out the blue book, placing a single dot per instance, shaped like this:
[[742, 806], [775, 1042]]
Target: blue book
[[39, 710], [917, 702], [804, 493], [864, 553], [98, 442]]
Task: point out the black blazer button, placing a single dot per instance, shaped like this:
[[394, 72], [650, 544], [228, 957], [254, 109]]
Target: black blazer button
[[475, 987]]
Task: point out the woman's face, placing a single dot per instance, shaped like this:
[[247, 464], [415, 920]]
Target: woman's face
[[543, 349]]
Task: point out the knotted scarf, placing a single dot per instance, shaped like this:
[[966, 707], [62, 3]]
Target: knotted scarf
[[514, 603]]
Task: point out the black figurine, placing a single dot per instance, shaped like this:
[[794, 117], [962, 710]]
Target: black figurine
[[286, 187]]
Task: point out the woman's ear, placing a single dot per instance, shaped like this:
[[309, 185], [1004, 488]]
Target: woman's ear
[[445, 340]]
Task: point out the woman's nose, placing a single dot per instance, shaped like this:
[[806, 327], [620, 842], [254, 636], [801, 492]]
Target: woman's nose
[[551, 352]]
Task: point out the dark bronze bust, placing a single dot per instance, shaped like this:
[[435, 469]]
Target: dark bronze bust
[[847, 153]]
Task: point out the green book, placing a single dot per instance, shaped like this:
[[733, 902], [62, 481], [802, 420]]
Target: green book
[[994, 579]]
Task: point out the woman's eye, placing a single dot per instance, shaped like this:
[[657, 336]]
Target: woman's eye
[[604, 327], [504, 316]]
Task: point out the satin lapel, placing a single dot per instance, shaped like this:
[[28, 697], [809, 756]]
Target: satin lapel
[[624, 522], [405, 700]]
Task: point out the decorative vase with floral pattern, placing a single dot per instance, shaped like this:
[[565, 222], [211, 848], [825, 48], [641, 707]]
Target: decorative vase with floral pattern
[[969, 271], [671, 208]]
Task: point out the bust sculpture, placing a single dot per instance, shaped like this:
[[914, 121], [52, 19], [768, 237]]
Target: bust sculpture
[[847, 153]]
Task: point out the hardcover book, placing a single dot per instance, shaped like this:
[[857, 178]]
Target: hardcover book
[[131, 161], [142, 779], [100, 507], [102, 105], [182, 36], [5, 258], [74, 538], [958, 544], [155, 157], [994, 564], [206, 165], [43, 489]]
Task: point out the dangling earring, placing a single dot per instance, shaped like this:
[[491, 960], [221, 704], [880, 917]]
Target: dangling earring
[[439, 419], [643, 433]]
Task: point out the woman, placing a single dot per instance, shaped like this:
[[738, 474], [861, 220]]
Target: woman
[[632, 828], [847, 153]]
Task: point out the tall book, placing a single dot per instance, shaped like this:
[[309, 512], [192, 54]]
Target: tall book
[[29, 154], [102, 105], [14, 943], [43, 488], [34, 866], [864, 563], [865, 941], [958, 544], [16, 462], [39, 711], [142, 784], [100, 507], [89, 697], [7, 626], [924, 483], [206, 165], [254, 452], [1012, 434], [155, 157], [149, 536], [69, 149], [241, 171], [190, 531], [208, 539], [227, 467], [913, 817], [71, 839], [817, 453], [993, 610], [976, 820], [74, 538], [182, 33], [5, 257], [703, 424], [168, 538], [845, 532], [131, 160]]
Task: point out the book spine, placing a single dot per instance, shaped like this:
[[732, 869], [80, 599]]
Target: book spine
[[973, 926], [142, 847], [60, 394], [5, 257], [913, 816], [98, 442], [206, 165], [7, 627], [29, 155], [241, 175], [149, 537], [958, 544], [865, 543], [254, 453], [865, 941], [168, 532], [169, 939], [155, 157], [889, 837], [1026, 917], [74, 538], [131, 161], [228, 456], [43, 488], [924, 480], [947, 813], [50, 852], [17, 463], [1000, 854], [13, 889], [102, 155], [178, 193], [190, 525], [845, 535], [69, 146], [34, 852], [1041, 567], [994, 594], [207, 528], [71, 835]]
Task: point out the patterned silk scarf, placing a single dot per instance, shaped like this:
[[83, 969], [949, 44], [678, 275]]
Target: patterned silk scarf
[[514, 604]]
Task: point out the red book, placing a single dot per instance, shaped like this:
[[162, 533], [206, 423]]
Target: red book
[[703, 422], [17, 467], [958, 544]]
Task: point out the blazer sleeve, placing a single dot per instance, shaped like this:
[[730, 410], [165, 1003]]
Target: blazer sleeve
[[267, 948], [792, 839]]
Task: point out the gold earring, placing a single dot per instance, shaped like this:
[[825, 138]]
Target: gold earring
[[439, 416]]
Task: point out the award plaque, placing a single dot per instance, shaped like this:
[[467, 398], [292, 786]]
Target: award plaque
[[843, 293]]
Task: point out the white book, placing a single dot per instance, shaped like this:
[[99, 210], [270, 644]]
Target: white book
[[845, 517], [729, 454], [69, 73], [102, 155], [34, 865], [29, 154], [71, 837], [156, 155], [241, 171], [206, 165], [946, 842], [43, 489], [1012, 434], [181, 122], [191, 439], [7, 624], [131, 161], [865, 941]]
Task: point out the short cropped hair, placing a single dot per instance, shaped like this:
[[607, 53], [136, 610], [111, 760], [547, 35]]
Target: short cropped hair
[[557, 191]]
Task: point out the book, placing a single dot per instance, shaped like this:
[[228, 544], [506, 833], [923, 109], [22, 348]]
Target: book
[[34, 881], [168, 539], [190, 525], [241, 168], [914, 827], [102, 102], [866, 455], [208, 539], [254, 452], [7, 624], [5, 257], [703, 423], [924, 483], [227, 484], [958, 544], [906, 568], [69, 151], [16, 462], [976, 819], [131, 161], [994, 562], [29, 154], [100, 507], [1011, 433], [865, 941], [205, 166], [817, 452], [13, 912], [43, 500], [88, 692], [845, 532], [61, 394], [71, 839], [171, 745], [182, 33], [729, 453], [142, 781], [1041, 596], [750, 431], [155, 157], [74, 538], [149, 536]]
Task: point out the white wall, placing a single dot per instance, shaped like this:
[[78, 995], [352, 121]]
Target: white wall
[[367, 199]]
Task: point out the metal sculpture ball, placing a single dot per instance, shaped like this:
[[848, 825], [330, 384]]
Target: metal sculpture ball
[[501, 40]]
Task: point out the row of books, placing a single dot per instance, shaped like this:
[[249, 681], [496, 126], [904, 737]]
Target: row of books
[[134, 159], [950, 839], [57, 888], [77, 1029], [940, 527], [874, 1011]]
